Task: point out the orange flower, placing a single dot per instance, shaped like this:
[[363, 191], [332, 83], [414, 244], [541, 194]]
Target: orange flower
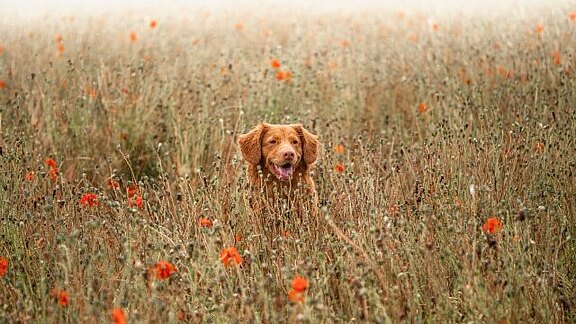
[[539, 29], [539, 147], [60, 48], [284, 75], [345, 43], [237, 237], [133, 37], [435, 27], [239, 26], [30, 176], [53, 174], [339, 149], [299, 284], [89, 199], [50, 162], [58, 38], [2, 84], [153, 23], [3, 266], [132, 190], [1, 50], [163, 269], [137, 202], [118, 316], [422, 108], [339, 167], [556, 57], [295, 297], [493, 225], [61, 296], [205, 222], [275, 63], [572, 16], [113, 184], [230, 254]]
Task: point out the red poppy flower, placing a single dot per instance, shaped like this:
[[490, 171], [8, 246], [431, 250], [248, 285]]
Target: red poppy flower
[[295, 296], [136, 202], [113, 184], [118, 316], [153, 23], [50, 162], [299, 284], [132, 191], [30, 176], [61, 296], [284, 76], [493, 225], [53, 174], [339, 167], [139, 201], [205, 222], [89, 199], [3, 266], [2, 84], [133, 37], [163, 269], [275, 63], [422, 107], [230, 254]]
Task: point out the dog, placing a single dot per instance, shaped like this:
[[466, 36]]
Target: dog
[[279, 161]]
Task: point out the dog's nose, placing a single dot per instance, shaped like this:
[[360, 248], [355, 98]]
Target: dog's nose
[[288, 155]]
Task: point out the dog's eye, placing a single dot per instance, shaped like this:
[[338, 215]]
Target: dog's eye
[[294, 142], [272, 142]]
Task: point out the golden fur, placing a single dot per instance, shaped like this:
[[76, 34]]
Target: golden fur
[[279, 160]]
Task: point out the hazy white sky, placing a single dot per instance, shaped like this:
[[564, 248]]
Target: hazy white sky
[[23, 7]]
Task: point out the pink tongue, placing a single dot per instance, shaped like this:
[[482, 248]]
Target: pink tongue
[[284, 173]]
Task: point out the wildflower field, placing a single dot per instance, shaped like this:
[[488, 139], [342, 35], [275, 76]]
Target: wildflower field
[[446, 179]]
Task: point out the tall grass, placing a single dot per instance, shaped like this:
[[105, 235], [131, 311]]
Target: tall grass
[[444, 123]]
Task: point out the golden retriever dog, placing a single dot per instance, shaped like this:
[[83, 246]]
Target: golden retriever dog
[[279, 159]]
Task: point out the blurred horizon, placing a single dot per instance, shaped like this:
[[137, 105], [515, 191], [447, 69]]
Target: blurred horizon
[[434, 7]]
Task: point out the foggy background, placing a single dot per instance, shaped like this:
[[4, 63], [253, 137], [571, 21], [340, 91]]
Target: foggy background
[[21, 8]]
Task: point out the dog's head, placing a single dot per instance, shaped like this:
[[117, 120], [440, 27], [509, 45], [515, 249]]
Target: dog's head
[[279, 148]]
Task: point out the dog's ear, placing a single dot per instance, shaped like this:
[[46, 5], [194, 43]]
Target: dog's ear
[[309, 144], [251, 144]]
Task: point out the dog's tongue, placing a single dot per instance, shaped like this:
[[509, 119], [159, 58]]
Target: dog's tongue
[[284, 172]]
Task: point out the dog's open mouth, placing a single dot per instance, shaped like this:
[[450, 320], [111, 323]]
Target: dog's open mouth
[[283, 172]]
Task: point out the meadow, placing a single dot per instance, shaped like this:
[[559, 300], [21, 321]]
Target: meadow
[[446, 176]]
